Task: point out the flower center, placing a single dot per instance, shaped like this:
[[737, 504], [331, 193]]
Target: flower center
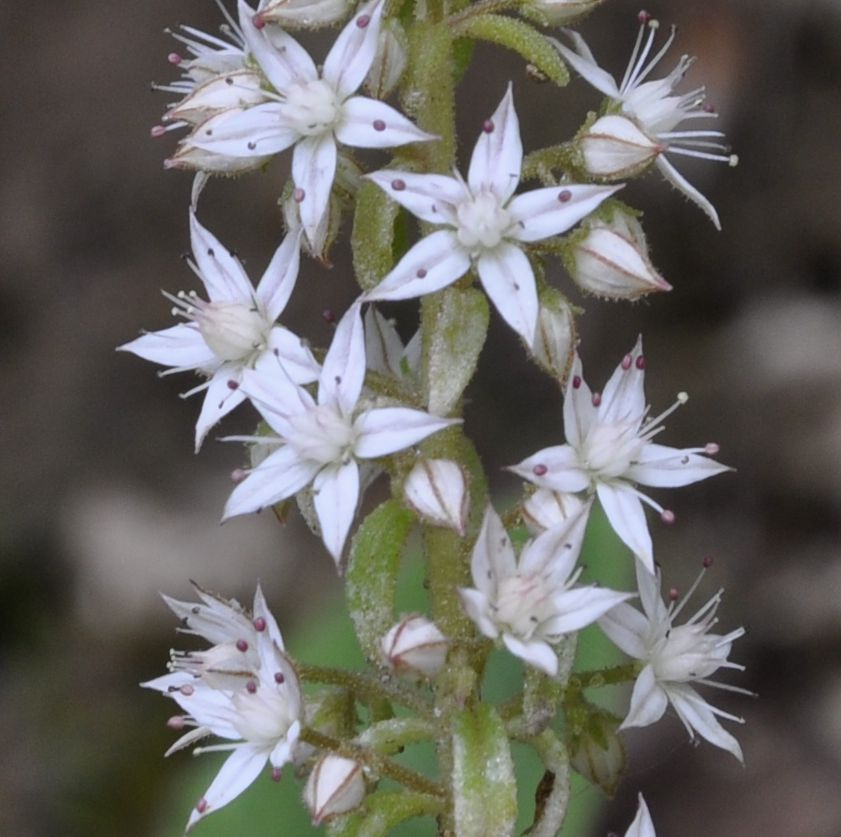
[[609, 449], [263, 716], [522, 603], [482, 222], [311, 108], [687, 653], [232, 330], [322, 434]]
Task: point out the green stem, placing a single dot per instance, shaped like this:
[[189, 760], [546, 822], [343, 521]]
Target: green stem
[[482, 8], [603, 677], [392, 735]]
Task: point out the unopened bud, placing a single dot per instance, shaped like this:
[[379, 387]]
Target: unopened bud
[[304, 14], [554, 338], [240, 89], [437, 491], [562, 12], [596, 752], [545, 509], [389, 61], [415, 646], [615, 148], [334, 787]]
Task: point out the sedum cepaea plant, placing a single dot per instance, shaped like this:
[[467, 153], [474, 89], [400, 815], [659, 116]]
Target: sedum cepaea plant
[[470, 239]]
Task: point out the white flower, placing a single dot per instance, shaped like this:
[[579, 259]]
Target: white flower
[[437, 490], [415, 645], [484, 225], [545, 509], [321, 440], [614, 147], [675, 656], [610, 451], [654, 107], [233, 330], [531, 601], [258, 710], [314, 112], [335, 786], [642, 826]]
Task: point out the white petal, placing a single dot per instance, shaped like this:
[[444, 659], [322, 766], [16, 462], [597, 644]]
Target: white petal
[[493, 556], [273, 393], [181, 346], [344, 367], [219, 400], [498, 156], [360, 121], [257, 132], [648, 701], [389, 429], [430, 197], [335, 495], [585, 65], [535, 652], [260, 610], [623, 397], [291, 352], [579, 412], [508, 280], [648, 585], [436, 489], [683, 185], [279, 476], [627, 629], [663, 467], [240, 769], [283, 59], [383, 346], [642, 826], [352, 54], [222, 273], [555, 468], [556, 550], [278, 281], [696, 713], [542, 213], [433, 263], [313, 170], [476, 605], [627, 517], [580, 607]]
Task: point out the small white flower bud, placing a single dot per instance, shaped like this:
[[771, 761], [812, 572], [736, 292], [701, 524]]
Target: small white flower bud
[[615, 148], [562, 12], [436, 489], [597, 752], [415, 646], [611, 260], [554, 338], [545, 509], [335, 786], [389, 62], [304, 14]]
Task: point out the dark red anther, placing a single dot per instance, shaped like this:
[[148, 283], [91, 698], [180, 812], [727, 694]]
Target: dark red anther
[[232, 384], [576, 382], [363, 20], [488, 126], [398, 185], [328, 315], [540, 470], [674, 594], [251, 687], [260, 624], [626, 362], [597, 399], [709, 108], [242, 645], [707, 562], [174, 58], [277, 774], [259, 21], [667, 516], [640, 362], [379, 125], [201, 806], [644, 17], [157, 131], [238, 475], [176, 722], [279, 677], [421, 273], [565, 196], [187, 690], [298, 195]]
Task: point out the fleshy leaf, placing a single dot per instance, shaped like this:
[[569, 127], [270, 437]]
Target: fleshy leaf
[[372, 238]]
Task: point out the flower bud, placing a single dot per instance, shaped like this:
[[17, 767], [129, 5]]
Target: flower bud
[[304, 14], [545, 509], [436, 489], [335, 786], [554, 338], [614, 148], [415, 646], [389, 62], [611, 260], [562, 12], [596, 752], [240, 89]]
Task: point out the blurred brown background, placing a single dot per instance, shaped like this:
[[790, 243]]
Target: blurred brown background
[[103, 503]]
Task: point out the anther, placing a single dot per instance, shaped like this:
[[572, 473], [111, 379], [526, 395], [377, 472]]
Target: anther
[[707, 561], [643, 17], [733, 161], [176, 722], [157, 131], [238, 475], [187, 690], [709, 108], [363, 20], [279, 677], [711, 448], [667, 516], [251, 145], [242, 646], [229, 81], [640, 362], [597, 399], [576, 382], [398, 185], [298, 195], [174, 58], [201, 806], [259, 624], [488, 126], [233, 384], [259, 21], [540, 470], [251, 687], [329, 316], [674, 594], [379, 125], [626, 362], [421, 273], [277, 774], [564, 196], [682, 398]]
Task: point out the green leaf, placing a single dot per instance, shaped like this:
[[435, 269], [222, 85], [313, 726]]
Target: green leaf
[[372, 572], [484, 786], [453, 345], [372, 239], [519, 36]]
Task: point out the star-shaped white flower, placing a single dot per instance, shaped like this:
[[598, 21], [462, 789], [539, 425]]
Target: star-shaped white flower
[[323, 439], [654, 107], [609, 452], [675, 657], [312, 111], [484, 224], [642, 826], [257, 709], [531, 601], [233, 330]]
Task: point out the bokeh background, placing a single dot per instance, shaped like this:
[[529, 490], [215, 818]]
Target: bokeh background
[[103, 504]]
